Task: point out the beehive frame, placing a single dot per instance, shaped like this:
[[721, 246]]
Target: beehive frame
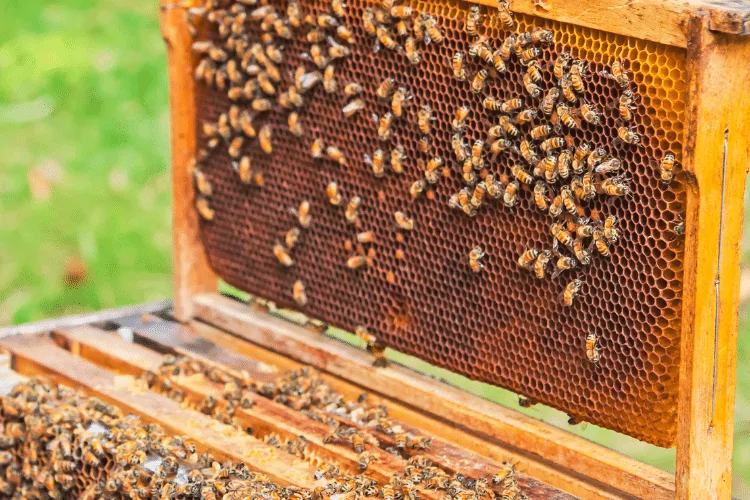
[[715, 153]]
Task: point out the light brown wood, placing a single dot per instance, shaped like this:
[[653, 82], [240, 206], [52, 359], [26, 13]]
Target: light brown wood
[[38, 355], [662, 21], [265, 417], [440, 401], [192, 273], [716, 155]]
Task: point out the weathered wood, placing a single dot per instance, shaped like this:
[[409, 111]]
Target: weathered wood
[[38, 355], [265, 417], [438, 400], [716, 156], [192, 273], [662, 21]]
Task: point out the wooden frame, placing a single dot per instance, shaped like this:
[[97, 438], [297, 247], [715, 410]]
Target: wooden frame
[[715, 161]]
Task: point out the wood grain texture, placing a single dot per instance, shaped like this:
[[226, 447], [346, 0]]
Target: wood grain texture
[[716, 157], [440, 401], [191, 271], [662, 21], [38, 355]]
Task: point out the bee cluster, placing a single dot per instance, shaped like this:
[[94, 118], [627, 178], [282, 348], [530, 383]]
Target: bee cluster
[[57, 443], [353, 423]]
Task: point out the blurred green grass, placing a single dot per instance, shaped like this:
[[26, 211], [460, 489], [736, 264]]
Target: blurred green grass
[[83, 106]]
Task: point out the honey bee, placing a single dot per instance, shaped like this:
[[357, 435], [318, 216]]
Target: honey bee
[[433, 33], [618, 74], [368, 22], [548, 165], [352, 89], [552, 143], [666, 168], [201, 182], [399, 98], [477, 158], [402, 30], [507, 47], [540, 132], [401, 11], [353, 107], [531, 88], [588, 187], [304, 214], [424, 144], [512, 105], [329, 81], [500, 145], [486, 55], [384, 126], [424, 119], [282, 256], [344, 33], [492, 104], [505, 14], [527, 258], [592, 350], [398, 155], [294, 126], [528, 153], [547, 106], [317, 148], [352, 209], [565, 116], [459, 118], [403, 221], [412, 53], [615, 186], [479, 82], [356, 261], [334, 195], [246, 174], [540, 196], [417, 188], [477, 197], [376, 162], [336, 50], [298, 293], [475, 259], [625, 105], [206, 71], [521, 175], [577, 75], [563, 264], [265, 83], [600, 243], [580, 156], [261, 104], [569, 202], [567, 89], [459, 72], [366, 237], [530, 55], [556, 206], [609, 166], [385, 39], [510, 195], [590, 113], [468, 173], [203, 208], [264, 138], [459, 147], [473, 19], [596, 156], [304, 82], [494, 188], [561, 235], [541, 263], [609, 231], [291, 238], [583, 255], [326, 21], [336, 155]]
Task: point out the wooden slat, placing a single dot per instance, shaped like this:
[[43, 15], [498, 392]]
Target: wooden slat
[[438, 400], [662, 21], [192, 273], [449, 456], [38, 355], [265, 417], [717, 154]]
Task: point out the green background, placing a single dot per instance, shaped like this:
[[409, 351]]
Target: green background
[[84, 155]]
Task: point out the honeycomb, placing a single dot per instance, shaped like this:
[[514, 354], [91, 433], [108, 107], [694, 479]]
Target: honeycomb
[[418, 294]]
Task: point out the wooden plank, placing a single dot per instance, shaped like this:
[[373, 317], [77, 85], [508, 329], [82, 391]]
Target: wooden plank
[[265, 417], [38, 355], [192, 273], [717, 154], [661, 21], [438, 400]]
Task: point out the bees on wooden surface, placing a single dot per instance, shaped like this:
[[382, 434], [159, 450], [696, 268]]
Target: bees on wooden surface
[[666, 168], [353, 107], [403, 221], [479, 82], [352, 209], [334, 194], [457, 64], [527, 258], [298, 293], [592, 348], [282, 256], [475, 259], [505, 14]]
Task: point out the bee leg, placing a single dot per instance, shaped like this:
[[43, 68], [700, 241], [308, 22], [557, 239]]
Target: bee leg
[[555, 247]]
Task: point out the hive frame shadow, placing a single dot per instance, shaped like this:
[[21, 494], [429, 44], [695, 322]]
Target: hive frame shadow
[[715, 158]]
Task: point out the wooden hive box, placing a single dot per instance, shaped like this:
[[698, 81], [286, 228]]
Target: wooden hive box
[[664, 305]]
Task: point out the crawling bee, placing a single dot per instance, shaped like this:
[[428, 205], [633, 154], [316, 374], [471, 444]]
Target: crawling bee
[[475, 259], [385, 39], [510, 196], [580, 156], [569, 201], [552, 143], [203, 208], [412, 53], [548, 166], [468, 173], [590, 113], [386, 89], [565, 116], [473, 19], [425, 119], [477, 197], [561, 235], [495, 188], [666, 168], [397, 103], [377, 162], [352, 209], [298, 293], [403, 221], [505, 14], [432, 32], [459, 118], [618, 74], [527, 258], [530, 55], [507, 48], [424, 144], [334, 195], [294, 126], [592, 350], [531, 88], [417, 188], [477, 158], [625, 105], [567, 89], [583, 255], [356, 261], [291, 238], [563, 264], [384, 126], [366, 237], [457, 63], [352, 89], [540, 196], [578, 75], [264, 139], [336, 155], [282, 256], [596, 156], [528, 152], [329, 81], [398, 155], [479, 82], [303, 214], [600, 243], [547, 106], [610, 231], [521, 175], [492, 104], [368, 22], [459, 147], [541, 263], [317, 148], [353, 107], [615, 186]]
